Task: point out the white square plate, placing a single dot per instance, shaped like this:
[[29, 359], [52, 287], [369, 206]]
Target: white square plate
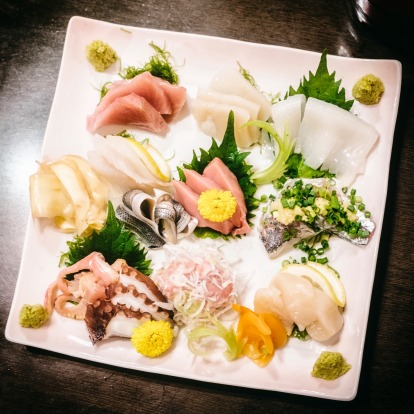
[[197, 59]]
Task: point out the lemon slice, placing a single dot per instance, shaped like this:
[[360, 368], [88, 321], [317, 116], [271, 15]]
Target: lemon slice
[[152, 159], [322, 276], [333, 277]]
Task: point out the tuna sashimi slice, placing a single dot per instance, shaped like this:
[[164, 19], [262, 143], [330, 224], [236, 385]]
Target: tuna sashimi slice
[[144, 85], [199, 183], [217, 171], [129, 110], [177, 96], [189, 200]]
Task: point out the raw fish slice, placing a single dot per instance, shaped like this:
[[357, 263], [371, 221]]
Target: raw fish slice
[[269, 299], [129, 110], [177, 96], [233, 82], [199, 183], [217, 171], [117, 152], [112, 174], [210, 95], [189, 200], [144, 85], [329, 321], [288, 114], [212, 118], [334, 138], [298, 298]]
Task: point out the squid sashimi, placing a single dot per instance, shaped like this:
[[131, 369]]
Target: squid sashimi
[[212, 118], [334, 138], [199, 183], [288, 114], [189, 199], [232, 82], [297, 301], [131, 109]]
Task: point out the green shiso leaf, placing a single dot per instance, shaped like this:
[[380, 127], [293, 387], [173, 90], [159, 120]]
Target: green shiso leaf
[[228, 152], [114, 241], [296, 168], [322, 85]]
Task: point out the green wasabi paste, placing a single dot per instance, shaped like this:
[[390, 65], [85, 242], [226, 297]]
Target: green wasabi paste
[[33, 316], [368, 89], [330, 366], [100, 55]]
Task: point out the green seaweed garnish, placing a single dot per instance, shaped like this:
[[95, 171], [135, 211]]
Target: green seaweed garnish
[[323, 86], [228, 152], [114, 241]]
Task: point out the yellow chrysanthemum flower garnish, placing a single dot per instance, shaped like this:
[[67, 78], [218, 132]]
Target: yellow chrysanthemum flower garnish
[[152, 338], [217, 205]]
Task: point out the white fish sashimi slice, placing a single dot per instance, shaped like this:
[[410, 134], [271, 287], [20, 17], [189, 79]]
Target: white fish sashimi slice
[[233, 82], [334, 138], [212, 119], [109, 172], [210, 95], [116, 151], [288, 114]]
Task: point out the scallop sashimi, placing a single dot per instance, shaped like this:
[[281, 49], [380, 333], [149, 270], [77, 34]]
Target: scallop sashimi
[[297, 301]]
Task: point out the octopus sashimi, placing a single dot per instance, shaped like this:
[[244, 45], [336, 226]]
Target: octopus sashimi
[[130, 109]]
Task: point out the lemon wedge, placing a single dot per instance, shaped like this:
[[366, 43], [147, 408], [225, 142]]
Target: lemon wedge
[[152, 158], [322, 276]]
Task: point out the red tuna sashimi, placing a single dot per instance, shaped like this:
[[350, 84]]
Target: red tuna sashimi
[[189, 200], [199, 183], [177, 96], [144, 85], [217, 171], [129, 110]]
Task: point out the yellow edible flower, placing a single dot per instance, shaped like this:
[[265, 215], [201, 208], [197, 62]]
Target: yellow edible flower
[[217, 205], [152, 338]]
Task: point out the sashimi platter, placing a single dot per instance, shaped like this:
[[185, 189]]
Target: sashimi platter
[[208, 208]]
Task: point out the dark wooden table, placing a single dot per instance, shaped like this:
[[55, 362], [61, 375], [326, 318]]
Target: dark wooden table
[[32, 34]]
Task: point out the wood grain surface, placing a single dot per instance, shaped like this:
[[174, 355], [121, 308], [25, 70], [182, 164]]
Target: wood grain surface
[[32, 34]]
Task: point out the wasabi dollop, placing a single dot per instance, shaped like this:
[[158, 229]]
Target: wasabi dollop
[[368, 90], [33, 316], [330, 366], [100, 55]]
